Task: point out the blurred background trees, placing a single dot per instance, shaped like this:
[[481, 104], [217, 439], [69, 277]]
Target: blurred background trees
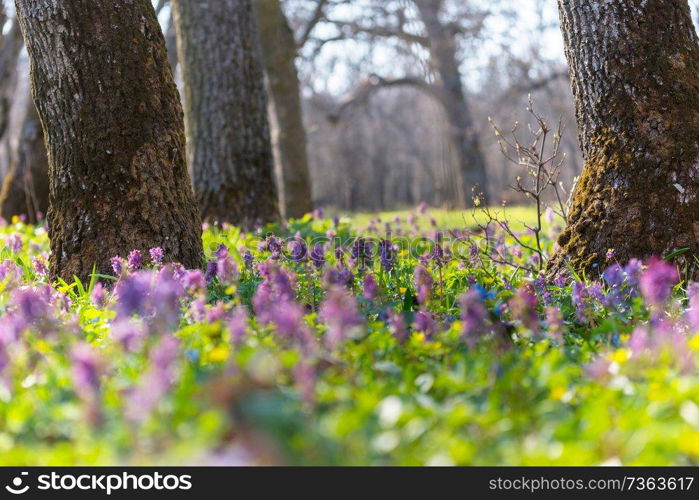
[[394, 96]]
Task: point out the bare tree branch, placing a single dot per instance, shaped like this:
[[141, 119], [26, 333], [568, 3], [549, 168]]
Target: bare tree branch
[[375, 83]]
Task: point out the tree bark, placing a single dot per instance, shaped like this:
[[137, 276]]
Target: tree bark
[[634, 68], [288, 132], [464, 136], [25, 189], [229, 148], [115, 134]]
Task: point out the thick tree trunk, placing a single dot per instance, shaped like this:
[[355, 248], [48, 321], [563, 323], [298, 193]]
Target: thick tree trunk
[[288, 132], [635, 73], [115, 134], [10, 47], [464, 135], [230, 153], [25, 189]]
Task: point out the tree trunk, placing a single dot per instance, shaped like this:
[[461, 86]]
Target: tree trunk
[[635, 74], [25, 189], [230, 154], [115, 134], [464, 136], [171, 44], [288, 132], [10, 48]]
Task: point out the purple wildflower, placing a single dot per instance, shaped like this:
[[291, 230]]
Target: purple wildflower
[[339, 312], [248, 259], [14, 242], [423, 284], [40, 267], [424, 322], [222, 252], [132, 294], [194, 281], [656, 281], [197, 310], [215, 313], [598, 369], [99, 295], [156, 256], [693, 311], [338, 277], [211, 271], [156, 381], [85, 364], [387, 255], [118, 265], [638, 342], [473, 316], [523, 306], [396, 322], [361, 252], [135, 260], [274, 245], [318, 256], [580, 298], [31, 306], [237, 325], [129, 333], [555, 323], [370, 288], [166, 294], [298, 250], [609, 256], [226, 269]]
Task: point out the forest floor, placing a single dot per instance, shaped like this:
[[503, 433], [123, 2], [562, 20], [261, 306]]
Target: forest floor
[[517, 216], [320, 342]]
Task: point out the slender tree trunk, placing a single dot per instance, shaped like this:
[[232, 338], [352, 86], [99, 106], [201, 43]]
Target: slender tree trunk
[[10, 47], [115, 135], [230, 152], [25, 189], [288, 132], [634, 68], [171, 44], [464, 135]]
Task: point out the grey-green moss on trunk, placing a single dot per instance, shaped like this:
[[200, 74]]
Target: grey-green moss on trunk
[[634, 67], [114, 132], [228, 139]]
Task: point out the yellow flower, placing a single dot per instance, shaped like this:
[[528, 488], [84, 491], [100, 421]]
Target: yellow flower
[[558, 392], [620, 356], [694, 343], [689, 443], [419, 336], [218, 354]]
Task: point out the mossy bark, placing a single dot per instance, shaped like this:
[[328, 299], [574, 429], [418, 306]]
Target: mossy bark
[[114, 132], [25, 188], [634, 67], [229, 147], [288, 132]]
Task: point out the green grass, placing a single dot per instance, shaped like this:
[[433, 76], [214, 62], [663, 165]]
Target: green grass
[[517, 216]]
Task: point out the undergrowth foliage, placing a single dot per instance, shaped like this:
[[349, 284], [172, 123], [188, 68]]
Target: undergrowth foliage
[[313, 343]]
